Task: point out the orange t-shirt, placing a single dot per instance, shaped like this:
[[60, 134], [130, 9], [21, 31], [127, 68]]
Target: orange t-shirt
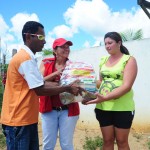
[[20, 102]]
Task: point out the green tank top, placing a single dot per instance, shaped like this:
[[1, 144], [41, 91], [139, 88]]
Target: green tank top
[[113, 78]]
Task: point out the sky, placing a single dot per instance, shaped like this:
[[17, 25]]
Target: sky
[[84, 22]]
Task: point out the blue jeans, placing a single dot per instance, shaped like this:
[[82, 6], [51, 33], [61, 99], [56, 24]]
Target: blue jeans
[[22, 137], [55, 121]]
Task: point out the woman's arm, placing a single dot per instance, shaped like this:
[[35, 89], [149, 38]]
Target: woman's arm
[[129, 76], [51, 76]]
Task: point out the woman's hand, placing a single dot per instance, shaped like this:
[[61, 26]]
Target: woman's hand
[[53, 75], [100, 98], [58, 72]]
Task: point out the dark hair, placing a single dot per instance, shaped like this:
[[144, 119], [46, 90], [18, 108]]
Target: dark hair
[[116, 36], [30, 27]]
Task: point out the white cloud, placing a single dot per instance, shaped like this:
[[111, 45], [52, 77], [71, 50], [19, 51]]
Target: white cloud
[[59, 31], [93, 17], [17, 25], [96, 18], [86, 44], [87, 15], [49, 41], [4, 33], [62, 31], [11, 36], [3, 26]]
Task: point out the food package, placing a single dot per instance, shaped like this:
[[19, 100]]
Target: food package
[[83, 72]]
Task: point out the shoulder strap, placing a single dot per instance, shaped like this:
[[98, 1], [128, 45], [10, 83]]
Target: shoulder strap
[[125, 59], [49, 64], [103, 61]]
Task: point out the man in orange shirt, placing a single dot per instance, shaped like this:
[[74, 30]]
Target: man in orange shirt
[[20, 109]]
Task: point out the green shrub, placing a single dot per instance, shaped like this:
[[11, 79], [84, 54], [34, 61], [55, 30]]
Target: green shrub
[[2, 141], [148, 145], [93, 143], [1, 94], [2, 137]]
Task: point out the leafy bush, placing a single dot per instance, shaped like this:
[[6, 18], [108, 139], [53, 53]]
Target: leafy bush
[[1, 94], [148, 144], [47, 52], [130, 35], [2, 141], [93, 143], [2, 137]]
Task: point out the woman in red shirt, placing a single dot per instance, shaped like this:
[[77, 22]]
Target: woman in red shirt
[[56, 116]]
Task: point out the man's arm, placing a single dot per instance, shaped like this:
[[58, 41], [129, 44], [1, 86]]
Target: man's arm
[[52, 88]]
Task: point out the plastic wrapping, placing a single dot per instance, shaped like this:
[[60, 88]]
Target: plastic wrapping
[[87, 80]]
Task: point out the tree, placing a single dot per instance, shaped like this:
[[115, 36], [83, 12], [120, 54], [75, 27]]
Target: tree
[[130, 35], [46, 52]]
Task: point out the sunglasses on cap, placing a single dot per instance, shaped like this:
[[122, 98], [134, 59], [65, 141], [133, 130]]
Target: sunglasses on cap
[[39, 36]]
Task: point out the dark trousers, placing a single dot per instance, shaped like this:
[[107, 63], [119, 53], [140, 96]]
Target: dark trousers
[[22, 137]]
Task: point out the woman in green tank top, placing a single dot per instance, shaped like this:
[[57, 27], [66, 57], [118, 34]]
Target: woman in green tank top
[[114, 103]]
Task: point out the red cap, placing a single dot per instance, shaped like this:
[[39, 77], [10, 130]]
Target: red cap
[[60, 42]]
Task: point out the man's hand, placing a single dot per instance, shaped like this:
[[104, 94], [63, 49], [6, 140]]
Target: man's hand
[[74, 88]]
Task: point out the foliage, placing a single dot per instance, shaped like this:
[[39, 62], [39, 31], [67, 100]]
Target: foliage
[[1, 98], [1, 93], [2, 141], [3, 67], [148, 145], [47, 52], [2, 137], [93, 143], [130, 35]]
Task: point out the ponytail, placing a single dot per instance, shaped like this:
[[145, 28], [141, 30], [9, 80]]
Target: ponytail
[[124, 50]]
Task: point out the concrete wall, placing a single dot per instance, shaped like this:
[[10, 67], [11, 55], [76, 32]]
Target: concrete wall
[[141, 51]]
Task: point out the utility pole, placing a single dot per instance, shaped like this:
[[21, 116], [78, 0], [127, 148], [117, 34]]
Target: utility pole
[[144, 5], [14, 51]]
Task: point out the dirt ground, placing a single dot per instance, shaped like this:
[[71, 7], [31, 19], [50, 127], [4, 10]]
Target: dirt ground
[[137, 140]]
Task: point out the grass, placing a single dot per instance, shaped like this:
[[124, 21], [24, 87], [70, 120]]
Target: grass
[[138, 136], [93, 143], [148, 144]]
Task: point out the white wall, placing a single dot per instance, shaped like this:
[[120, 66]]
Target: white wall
[[141, 51]]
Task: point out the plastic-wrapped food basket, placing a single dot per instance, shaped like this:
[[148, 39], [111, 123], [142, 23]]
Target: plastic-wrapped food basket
[[83, 72]]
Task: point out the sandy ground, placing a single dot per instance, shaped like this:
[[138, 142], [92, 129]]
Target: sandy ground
[[137, 140]]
